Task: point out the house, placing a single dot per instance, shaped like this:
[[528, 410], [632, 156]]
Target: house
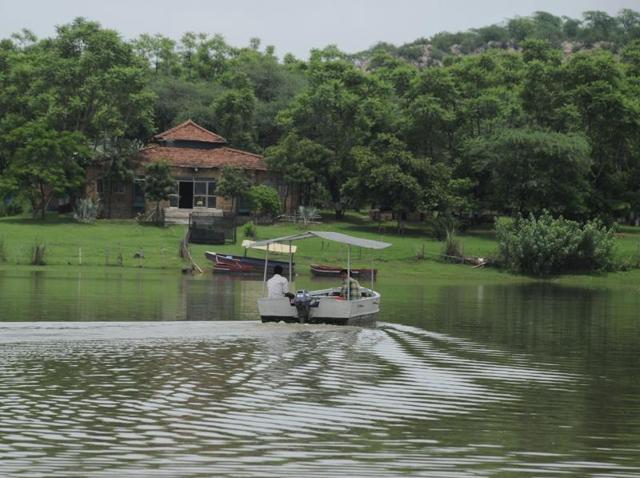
[[196, 157]]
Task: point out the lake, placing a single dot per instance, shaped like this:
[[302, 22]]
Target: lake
[[115, 373]]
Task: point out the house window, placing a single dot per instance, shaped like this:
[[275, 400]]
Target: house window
[[195, 194], [200, 188], [204, 194], [118, 187], [174, 197]]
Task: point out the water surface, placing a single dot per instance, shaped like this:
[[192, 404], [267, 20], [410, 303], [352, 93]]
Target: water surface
[[113, 374]]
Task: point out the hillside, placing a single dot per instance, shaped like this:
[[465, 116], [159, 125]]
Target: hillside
[[595, 30]]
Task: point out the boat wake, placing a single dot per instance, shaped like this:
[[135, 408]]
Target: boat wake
[[249, 399]]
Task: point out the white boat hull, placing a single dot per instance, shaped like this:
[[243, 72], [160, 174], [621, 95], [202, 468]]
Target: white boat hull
[[331, 309]]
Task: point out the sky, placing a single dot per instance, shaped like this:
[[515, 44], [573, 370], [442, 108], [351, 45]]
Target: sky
[[292, 26]]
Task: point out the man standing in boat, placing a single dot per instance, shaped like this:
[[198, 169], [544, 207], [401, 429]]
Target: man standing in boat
[[350, 287], [278, 286]]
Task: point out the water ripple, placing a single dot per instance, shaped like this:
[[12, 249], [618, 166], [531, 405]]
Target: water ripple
[[244, 399]]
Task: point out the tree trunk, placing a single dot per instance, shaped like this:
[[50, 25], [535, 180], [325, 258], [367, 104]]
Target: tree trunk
[[43, 201]]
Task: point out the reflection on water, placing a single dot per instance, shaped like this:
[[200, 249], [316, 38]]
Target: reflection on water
[[458, 381], [123, 295]]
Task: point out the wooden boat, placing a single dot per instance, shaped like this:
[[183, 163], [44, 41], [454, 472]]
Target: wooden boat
[[322, 270], [323, 306], [244, 264]]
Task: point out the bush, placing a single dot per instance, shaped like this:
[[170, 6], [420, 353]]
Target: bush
[[452, 248], [264, 201], [544, 245], [86, 210], [250, 230], [3, 251], [38, 252], [440, 226], [12, 206]]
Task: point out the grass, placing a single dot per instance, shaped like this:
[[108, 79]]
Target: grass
[[68, 242], [125, 243]]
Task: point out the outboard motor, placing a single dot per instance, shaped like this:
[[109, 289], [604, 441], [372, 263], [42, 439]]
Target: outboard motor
[[303, 303]]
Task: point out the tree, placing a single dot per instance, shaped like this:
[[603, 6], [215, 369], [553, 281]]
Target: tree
[[548, 27], [179, 99], [233, 183], [44, 163], [114, 167], [390, 177], [607, 111], [629, 21], [160, 53], [158, 184], [264, 201], [598, 26], [530, 170], [299, 162], [205, 58], [234, 117], [85, 80], [520, 28], [342, 109]]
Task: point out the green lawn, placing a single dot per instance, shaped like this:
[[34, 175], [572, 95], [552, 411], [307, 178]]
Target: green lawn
[[103, 243], [115, 243]]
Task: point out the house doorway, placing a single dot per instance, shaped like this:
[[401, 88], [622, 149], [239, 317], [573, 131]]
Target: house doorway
[[185, 190]]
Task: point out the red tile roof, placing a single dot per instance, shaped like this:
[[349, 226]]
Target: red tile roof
[[203, 158], [189, 131]]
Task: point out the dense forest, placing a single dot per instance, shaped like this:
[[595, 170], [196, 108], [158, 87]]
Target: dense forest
[[538, 113]]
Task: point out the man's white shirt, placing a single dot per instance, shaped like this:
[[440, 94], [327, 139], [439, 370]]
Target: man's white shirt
[[277, 286]]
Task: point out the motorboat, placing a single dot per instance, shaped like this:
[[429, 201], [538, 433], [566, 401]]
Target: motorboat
[[325, 305]]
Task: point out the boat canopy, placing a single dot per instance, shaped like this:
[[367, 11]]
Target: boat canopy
[[326, 235], [277, 248]]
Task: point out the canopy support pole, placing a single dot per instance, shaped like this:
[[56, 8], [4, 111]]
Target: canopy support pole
[[349, 272], [264, 277], [373, 271], [290, 261]]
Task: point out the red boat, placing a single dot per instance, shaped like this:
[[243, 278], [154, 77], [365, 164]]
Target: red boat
[[243, 264], [322, 270]]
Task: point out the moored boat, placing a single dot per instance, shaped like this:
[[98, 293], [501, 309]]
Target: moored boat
[[323, 270], [243, 264]]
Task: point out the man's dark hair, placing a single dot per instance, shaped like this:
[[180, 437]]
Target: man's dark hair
[[277, 270], [344, 271]]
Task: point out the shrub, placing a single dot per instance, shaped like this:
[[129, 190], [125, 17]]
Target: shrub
[[38, 253], [440, 226], [3, 251], [308, 214], [86, 210], [452, 249], [250, 230], [544, 245], [264, 201], [12, 206]]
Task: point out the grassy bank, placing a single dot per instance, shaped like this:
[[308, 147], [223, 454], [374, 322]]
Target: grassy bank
[[128, 244]]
